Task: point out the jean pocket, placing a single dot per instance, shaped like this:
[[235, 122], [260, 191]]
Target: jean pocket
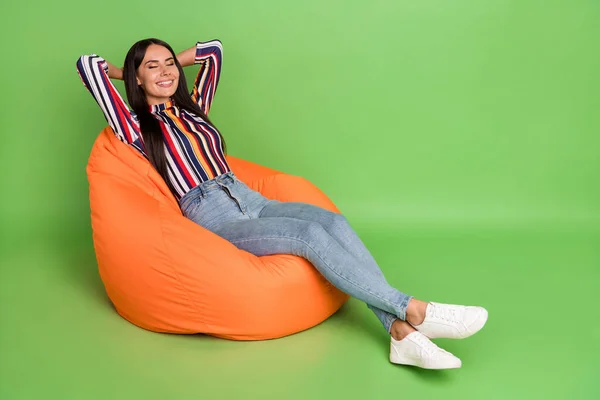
[[192, 207]]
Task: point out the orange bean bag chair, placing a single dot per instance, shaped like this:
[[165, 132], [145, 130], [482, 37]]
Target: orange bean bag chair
[[165, 273]]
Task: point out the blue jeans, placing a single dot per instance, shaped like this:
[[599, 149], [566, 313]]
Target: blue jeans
[[230, 209]]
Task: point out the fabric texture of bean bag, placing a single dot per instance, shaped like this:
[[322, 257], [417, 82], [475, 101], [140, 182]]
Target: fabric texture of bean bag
[[165, 273]]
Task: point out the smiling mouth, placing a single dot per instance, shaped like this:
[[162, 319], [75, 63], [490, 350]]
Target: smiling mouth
[[165, 84]]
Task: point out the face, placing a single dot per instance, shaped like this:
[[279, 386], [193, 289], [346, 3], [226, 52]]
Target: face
[[158, 75]]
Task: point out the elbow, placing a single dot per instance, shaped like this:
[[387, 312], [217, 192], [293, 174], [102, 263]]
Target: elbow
[[210, 43], [91, 61], [81, 61]]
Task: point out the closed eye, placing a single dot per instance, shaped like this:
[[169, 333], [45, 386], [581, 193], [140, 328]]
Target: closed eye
[[156, 66]]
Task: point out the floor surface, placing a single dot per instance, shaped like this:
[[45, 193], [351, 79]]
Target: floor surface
[[61, 338]]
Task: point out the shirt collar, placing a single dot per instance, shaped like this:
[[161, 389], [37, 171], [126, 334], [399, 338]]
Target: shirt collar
[[155, 108]]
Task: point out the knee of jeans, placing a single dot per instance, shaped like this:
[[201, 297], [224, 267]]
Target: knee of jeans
[[339, 221]]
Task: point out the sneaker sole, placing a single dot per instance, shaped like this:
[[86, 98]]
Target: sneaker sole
[[395, 360]]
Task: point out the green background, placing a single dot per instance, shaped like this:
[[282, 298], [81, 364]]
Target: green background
[[459, 138]]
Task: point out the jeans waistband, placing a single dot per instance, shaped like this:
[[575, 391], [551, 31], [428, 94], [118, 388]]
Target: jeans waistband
[[202, 189]]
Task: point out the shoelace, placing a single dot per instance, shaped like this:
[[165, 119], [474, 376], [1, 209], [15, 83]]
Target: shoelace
[[428, 346], [445, 313]]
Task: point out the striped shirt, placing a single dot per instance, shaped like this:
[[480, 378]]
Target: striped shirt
[[192, 146]]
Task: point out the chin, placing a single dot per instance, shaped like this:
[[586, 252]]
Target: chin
[[165, 95]]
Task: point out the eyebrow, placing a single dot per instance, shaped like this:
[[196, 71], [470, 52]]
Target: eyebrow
[[149, 61]]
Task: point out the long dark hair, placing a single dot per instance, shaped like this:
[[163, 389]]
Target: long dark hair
[[151, 132]]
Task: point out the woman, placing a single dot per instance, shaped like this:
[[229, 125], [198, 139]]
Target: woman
[[171, 129]]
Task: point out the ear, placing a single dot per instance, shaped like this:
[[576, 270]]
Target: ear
[[138, 81]]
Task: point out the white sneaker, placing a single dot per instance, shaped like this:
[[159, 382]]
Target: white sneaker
[[452, 321], [416, 349]]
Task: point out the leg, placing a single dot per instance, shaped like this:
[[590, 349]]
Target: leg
[[271, 235], [338, 227], [433, 319]]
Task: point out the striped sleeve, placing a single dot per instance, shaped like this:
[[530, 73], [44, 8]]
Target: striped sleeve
[[93, 71], [209, 56]]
